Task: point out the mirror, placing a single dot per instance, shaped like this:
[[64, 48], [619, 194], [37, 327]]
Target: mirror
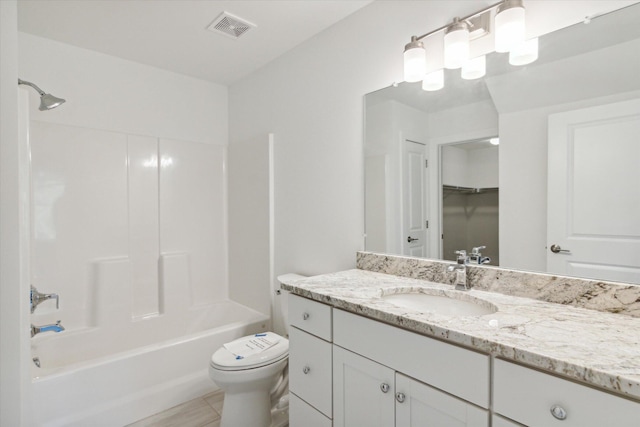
[[582, 70]]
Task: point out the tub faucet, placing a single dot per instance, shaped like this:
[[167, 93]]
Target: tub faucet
[[56, 327], [461, 270], [37, 298]]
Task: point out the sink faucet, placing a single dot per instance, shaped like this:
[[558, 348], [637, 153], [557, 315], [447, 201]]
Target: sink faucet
[[476, 257], [37, 298], [56, 327], [461, 270]]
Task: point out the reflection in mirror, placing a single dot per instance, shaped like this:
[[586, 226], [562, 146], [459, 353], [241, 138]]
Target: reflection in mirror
[[470, 200], [568, 162]]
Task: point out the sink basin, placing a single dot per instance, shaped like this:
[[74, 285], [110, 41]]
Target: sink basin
[[448, 303]]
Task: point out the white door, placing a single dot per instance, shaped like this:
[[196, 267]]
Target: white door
[[420, 405], [363, 391], [414, 199], [593, 227]]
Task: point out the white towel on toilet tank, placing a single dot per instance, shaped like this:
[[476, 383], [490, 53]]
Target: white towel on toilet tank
[[247, 347]]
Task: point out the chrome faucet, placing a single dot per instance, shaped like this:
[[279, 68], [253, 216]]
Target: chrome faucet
[[37, 298], [56, 327], [461, 270], [476, 257]]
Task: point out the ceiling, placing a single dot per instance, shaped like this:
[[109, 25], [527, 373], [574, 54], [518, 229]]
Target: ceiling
[[172, 34]]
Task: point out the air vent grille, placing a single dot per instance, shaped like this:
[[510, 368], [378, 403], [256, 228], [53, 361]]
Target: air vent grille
[[230, 25]]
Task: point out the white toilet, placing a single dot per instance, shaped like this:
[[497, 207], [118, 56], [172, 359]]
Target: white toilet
[[253, 384]]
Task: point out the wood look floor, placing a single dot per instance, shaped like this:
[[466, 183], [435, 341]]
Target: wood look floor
[[203, 411]]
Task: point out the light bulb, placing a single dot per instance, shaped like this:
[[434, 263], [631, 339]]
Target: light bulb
[[525, 53], [510, 25], [433, 81], [415, 61], [474, 68], [456, 44], [494, 141]]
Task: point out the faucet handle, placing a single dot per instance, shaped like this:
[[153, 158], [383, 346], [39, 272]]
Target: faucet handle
[[476, 251], [462, 256]]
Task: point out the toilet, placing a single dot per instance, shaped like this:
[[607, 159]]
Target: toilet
[[248, 382], [255, 385]]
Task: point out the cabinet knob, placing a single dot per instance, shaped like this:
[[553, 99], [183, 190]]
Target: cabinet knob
[[306, 370], [400, 397], [558, 412], [384, 387], [305, 316]]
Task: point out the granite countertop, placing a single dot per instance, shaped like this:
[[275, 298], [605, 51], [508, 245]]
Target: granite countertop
[[597, 348]]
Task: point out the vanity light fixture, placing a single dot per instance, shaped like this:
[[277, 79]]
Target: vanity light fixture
[[510, 25], [509, 29], [474, 68], [433, 81], [456, 44], [524, 53], [415, 61]]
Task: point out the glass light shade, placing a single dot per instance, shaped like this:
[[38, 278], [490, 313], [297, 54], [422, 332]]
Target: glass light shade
[[510, 28], [474, 68], [415, 64], [433, 81], [525, 53], [494, 141], [456, 48]]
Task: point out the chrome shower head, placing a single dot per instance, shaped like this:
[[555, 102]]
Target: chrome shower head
[[47, 101]]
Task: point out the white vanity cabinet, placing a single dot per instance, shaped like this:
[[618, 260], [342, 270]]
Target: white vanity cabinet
[[385, 376], [366, 393], [310, 363], [536, 399]]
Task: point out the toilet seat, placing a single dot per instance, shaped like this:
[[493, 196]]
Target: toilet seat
[[225, 360]]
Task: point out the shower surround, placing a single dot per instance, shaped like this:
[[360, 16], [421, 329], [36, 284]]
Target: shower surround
[[130, 231]]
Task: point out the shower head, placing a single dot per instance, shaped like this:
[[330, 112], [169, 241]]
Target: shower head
[[47, 101]]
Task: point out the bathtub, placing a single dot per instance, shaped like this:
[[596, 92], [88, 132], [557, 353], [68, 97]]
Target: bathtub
[[112, 377]]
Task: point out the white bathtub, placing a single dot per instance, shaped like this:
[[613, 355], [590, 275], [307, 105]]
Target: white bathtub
[[102, 377]]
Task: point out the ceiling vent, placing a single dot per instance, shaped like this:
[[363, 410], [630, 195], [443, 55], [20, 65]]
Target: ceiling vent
[[230, 25]]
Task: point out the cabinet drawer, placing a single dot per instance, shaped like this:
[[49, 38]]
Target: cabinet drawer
[[310, 370], [310, 316], [301, 414], [528, 396], [463, 373]]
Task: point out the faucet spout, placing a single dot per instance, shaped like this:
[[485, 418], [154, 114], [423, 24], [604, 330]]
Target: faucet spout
[[461, 270], [56, 327]]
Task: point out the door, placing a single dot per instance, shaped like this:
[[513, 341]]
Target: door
[[363, 391], [414, 199], [421, 405], [593, 214]]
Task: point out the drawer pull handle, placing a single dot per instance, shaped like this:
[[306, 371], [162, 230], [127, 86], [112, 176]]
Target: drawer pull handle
[[400, 397], [305, 316], [558, 412], [384, 387], [306, 370]]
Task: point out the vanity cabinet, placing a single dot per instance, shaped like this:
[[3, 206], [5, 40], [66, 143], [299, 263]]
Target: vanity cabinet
[[385, 376], [310, 363], [535, 399], [369, 394]]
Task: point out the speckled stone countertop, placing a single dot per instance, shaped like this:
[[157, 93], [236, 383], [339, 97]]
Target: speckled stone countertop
[[597, 348]]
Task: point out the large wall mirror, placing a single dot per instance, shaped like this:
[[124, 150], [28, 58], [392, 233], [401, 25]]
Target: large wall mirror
[[560, 193]]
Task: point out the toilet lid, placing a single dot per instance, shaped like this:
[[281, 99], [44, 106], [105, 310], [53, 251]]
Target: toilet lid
[[225, 360]]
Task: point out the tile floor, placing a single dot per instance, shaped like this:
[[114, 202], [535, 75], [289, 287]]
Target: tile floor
[[200, 412]]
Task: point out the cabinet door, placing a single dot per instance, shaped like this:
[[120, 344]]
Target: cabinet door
[[421, 405], [363, 391]]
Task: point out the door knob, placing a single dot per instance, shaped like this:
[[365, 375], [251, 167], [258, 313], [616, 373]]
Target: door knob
[[384, 387], [411, 239], [556, 249], [400, 397]]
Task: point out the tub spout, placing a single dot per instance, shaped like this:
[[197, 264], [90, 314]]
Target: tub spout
[[57, 327]]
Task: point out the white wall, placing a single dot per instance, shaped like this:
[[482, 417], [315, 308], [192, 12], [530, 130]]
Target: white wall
[[108, 93]]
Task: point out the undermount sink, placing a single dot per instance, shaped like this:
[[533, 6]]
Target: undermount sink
[[440, 302]]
